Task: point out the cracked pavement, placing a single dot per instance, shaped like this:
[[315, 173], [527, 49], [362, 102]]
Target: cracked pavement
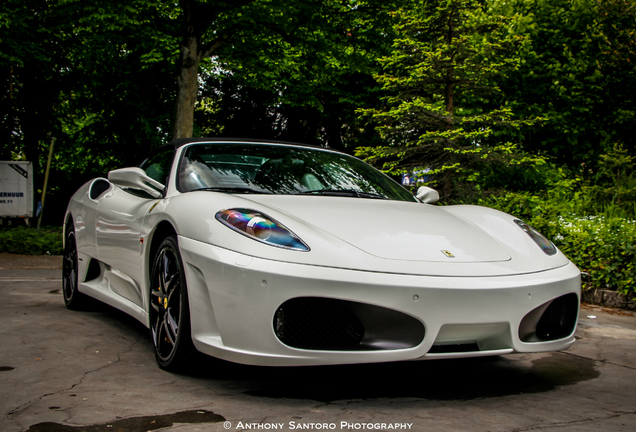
[[94, 371]]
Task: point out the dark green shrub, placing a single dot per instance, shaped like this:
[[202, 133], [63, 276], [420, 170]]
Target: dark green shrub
[[31, 241], [600, 242], [604, 247]]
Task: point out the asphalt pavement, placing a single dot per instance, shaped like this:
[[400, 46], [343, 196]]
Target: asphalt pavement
[[65, 371]]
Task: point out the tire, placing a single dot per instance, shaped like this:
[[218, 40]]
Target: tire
[[73, 299], [169, 308]]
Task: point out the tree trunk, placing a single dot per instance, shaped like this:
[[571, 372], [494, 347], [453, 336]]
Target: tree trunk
[[449, 93], [333, 128], [198, 17], [450, 72], [187, 89]]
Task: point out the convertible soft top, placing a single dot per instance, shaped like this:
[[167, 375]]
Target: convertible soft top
[[180, 142]]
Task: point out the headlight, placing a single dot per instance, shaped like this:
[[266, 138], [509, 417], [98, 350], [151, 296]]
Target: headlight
[[545, 244], [260, 227]]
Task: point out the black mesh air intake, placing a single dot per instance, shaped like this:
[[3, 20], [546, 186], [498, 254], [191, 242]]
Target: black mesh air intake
[[330, 324], [553, 320], [318, 323], [559, 318]]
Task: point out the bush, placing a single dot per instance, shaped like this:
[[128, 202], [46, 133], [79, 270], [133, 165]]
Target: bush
[[603, 246], [601, 243], [30, 241], [591, 218]]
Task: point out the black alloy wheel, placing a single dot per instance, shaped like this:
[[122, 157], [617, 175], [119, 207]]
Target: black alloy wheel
[[169, 309], [73, 299]]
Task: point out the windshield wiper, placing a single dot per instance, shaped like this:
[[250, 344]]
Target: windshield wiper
[[342, 192], [230, 189]]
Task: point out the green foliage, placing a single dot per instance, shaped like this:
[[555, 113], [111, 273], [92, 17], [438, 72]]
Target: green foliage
[[442, 100], [493, 97], [297, 71], [30, 241], [599, 238], [615, 180], [576, 71], [97, 76], [603, 246]]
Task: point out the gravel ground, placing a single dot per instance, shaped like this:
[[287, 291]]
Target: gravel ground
[[24, 262]]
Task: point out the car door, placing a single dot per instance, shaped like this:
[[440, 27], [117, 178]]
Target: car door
[[118, 233], [119, 227]]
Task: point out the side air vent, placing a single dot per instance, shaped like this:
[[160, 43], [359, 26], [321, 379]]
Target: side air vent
[[553, 320], [98, 187], [94, 271]]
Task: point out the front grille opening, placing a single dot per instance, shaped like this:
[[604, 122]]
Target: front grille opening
[[553, 320], [318, 323]]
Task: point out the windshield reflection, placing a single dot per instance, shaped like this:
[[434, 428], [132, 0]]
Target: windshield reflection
[[280, 169]]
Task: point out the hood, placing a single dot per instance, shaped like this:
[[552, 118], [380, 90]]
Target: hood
[[392, 230]]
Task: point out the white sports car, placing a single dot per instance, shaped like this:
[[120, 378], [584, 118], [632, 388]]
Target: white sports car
[[276, 254]]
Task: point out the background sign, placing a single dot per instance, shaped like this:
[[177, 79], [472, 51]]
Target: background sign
[[16, 189]]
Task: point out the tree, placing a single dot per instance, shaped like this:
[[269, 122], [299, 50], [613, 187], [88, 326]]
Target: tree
[[203, 33], [30, 54], [615, 180], [100, 76], [297, 71], [95, 75], [442, 101], [577, 72]]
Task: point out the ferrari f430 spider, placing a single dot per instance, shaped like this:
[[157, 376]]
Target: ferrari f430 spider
[[269, 253]]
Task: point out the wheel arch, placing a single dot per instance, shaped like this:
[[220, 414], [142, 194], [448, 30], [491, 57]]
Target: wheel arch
[[183, 348], [68, 222], [164, 229]]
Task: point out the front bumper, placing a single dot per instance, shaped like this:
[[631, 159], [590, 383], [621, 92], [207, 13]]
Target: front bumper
[[237, 304]]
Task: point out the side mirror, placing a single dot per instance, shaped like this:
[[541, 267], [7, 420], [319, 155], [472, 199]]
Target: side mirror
[[427, 195], [136, 178]]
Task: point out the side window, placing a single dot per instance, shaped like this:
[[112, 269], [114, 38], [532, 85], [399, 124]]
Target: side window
[[157, 167]]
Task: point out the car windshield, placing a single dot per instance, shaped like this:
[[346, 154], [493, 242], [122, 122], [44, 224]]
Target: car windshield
[[282, 169]]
